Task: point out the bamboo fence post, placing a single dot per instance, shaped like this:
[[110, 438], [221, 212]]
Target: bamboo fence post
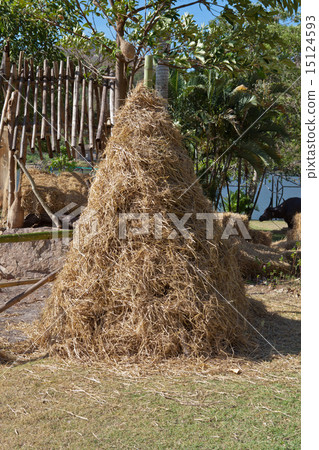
[[75, 109], [90, 117], [100, 128], [59, 103], [12, 179], [66, 107], [5, 64], [70, 110], [52, 216], [16, 122], [29, 291], [12, 166], [21, 55], [44, 99], [53, 122], [48, 142], [6, 101], [39, 141], [112, 99], [82, 119], [35, 108], [23, 147]]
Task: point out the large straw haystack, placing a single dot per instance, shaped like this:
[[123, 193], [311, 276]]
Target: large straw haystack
[[144, 296]]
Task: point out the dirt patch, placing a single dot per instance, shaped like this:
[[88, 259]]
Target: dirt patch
[[23, 260], [280, 322]]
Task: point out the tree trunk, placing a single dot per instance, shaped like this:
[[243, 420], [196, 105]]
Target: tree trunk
[[161, 85], [162, 72], [120, 83]]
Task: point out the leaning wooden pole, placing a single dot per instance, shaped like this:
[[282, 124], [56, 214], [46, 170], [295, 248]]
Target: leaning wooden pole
[[36, 236], [52, 216], [29, 291], [13, 283]]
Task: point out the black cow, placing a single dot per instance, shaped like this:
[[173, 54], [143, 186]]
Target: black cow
[[285, 211]]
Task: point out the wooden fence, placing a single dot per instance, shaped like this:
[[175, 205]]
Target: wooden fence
[[50, 106]]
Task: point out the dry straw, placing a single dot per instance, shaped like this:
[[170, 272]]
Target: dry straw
[[254, 255], [143, 297], [56, 191], [257, 236], [294, 234]]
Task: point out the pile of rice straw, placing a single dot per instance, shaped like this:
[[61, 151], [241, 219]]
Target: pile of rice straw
[[258, 259], [144, 297], [261, 237], [257, 236], [294, 234]]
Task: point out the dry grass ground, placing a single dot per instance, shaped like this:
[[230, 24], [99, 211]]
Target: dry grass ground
[[226, 403], [278, 228]]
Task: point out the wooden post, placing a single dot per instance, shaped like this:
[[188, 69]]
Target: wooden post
[[12, 179], [66, 106], [4, 169], [35, 108], [82, 117], [16, 122], [11, 117], [23, 146], [90, 117], [44, 100], [59, 102], [112, 99], [148, 71], [53, 121], [7, 99], [101, 125], [12, 283], [75, 109]]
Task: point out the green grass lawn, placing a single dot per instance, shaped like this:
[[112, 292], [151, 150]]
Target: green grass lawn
[[47, 404], [278, 228]]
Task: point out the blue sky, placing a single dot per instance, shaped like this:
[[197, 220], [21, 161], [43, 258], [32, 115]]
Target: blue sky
[[201, 15]]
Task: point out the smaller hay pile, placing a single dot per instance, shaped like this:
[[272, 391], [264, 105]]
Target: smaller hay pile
[[258, 259], [255, 257], [143, 296], [257, 236], [261, 237], [294, 234], [57, 191]]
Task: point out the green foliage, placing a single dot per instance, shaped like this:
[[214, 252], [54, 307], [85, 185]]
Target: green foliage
[[25, 33], [62, 163], [147, 24], [245, 203], [237, 125]]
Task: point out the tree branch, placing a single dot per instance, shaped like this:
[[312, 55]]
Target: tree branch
[[85, 18]]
